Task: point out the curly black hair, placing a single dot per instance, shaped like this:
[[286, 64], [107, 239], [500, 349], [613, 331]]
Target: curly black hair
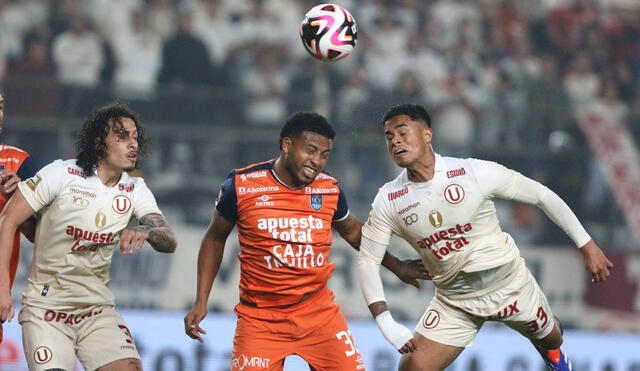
[[415, 111], [306, 121], [91, 145]]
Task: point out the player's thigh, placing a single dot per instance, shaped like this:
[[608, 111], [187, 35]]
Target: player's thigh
[[332, 347], [130, 364], [105, 338], [429, 355], [255, 349], [47, 344], [528, 312]]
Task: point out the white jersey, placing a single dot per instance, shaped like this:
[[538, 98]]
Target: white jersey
[[450, 220], [79, 225]]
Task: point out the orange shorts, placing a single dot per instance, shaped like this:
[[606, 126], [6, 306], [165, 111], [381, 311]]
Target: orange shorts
[[315, 330]]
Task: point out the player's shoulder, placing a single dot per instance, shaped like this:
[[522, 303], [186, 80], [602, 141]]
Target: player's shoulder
[[398, 183], [130, 183], [455, 166], [7, 150], [253, 171]]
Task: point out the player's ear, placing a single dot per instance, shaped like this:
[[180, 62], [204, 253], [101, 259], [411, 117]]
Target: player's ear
[[427, 134], [286, 144]]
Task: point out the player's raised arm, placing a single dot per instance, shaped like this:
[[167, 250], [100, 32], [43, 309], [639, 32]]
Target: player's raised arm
[[209, 260], [154, 229], [408, 271], [16, 211]]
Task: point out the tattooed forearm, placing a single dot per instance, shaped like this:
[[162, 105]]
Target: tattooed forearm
[[161, 236]]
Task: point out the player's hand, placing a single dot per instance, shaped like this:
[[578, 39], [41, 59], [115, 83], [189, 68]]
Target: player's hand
[[6, 306], [8, 183], [410, 271], [596, 262], [132, 239], [398, 335], [192, 322]]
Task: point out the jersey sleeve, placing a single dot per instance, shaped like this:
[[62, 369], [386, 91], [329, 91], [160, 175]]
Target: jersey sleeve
[[342, 211], [27, 169], [145, 202], [227, 201], [495, 180], [41, 189], [379, 225]]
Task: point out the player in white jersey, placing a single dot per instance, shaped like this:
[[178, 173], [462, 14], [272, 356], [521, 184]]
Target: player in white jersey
[[83, 209], [444, 208]]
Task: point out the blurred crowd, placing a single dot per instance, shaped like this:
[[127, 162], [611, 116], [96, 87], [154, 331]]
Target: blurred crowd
[[502, 78]]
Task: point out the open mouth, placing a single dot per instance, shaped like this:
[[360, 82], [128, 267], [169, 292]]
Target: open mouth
[[309, 172], [132, 156], [399, 152]]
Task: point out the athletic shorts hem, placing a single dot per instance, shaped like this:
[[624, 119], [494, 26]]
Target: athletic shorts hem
[[442, 340]]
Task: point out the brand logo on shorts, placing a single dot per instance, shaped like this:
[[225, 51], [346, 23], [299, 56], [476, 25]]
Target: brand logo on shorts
[[435, 218], [454, 194], [242, 361], [431, 319], [121, 204], [42, 355]]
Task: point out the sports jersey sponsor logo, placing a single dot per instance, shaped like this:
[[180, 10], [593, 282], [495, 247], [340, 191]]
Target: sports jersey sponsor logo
[[76, 172], [409, 208], [82, 192], [454, 194], [121, 204], [80, 202], [69, 319], [95, 237], [294, 257], [316, 202], [33, 182], [100, 220], [454, 240], [42, 355], [241, 362], [245, 190], [410, 219], [397, 194], [314, 190], [325, 176], [455, 173], [431, 319], [507, 311], [10, 159], [291, 229], [435, 218], [264, 201], [126, 187], [257, 174]]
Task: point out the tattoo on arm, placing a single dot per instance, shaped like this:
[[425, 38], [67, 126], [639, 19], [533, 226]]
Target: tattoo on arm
[[160, 234]]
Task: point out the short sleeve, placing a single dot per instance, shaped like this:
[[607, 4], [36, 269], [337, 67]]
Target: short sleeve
[[41, 189], [379, 226], [144, 201], [495, 180], [342, 211], [227, 201]]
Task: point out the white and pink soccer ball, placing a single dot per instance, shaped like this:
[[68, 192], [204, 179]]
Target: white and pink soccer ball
[[329, 32]]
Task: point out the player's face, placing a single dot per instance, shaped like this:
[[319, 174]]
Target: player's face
[[1, 113], [306, 156], [122, 145], [407, 139]]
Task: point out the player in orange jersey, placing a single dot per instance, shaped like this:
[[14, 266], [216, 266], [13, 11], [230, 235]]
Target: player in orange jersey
[[15, 164], [285, 209]]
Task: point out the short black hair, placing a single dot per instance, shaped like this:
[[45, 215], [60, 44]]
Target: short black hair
[[91, 145], [306, 121], [415, 111]]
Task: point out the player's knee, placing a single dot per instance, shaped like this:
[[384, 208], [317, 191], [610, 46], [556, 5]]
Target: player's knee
[[409, 362]]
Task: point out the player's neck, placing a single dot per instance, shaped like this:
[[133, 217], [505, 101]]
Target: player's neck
[[283, 175], [108, 176], [423, 169]]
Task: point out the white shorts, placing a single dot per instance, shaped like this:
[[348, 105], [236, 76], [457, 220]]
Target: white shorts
[[520, 304], [97, 335]]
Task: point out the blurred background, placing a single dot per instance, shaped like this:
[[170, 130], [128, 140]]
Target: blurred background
[[546, 87]]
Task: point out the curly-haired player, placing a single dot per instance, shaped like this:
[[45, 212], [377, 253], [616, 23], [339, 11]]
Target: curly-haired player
[[84, 207]]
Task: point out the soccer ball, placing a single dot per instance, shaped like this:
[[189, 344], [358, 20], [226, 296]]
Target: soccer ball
[[328, 32]]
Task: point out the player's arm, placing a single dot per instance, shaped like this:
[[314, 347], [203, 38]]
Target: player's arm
[[154, 229], [9, 183], [209, 260], [15, 212], [369, 259], [510, 184], [408, 271]]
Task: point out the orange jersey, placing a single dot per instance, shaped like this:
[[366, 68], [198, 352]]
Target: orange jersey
[[13, 159], [285, 234]]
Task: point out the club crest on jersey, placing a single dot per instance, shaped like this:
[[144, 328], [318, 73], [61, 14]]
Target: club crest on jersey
[[121, 204], [316, 202], [101, 220], [435, 218], [454, 194]]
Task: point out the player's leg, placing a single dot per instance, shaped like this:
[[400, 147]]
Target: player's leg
[[429, 355], [549, 348], [48, 344], [105, 344], [258, 343]]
